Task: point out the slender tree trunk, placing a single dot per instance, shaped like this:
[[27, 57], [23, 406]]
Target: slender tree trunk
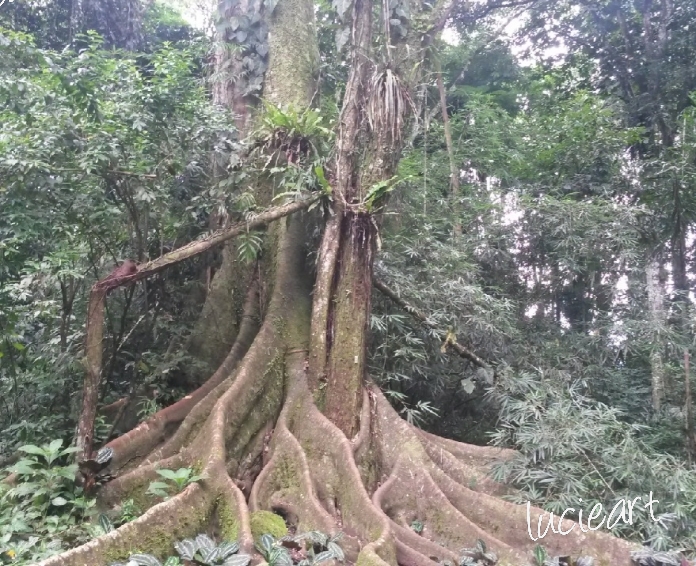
[[77, 15], [689, 409], [454, 169], [656, 295]]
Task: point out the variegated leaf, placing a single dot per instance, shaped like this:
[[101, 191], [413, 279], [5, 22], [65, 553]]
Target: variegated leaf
[[228, 548], [237, 560], [144, 560], [186, 548]]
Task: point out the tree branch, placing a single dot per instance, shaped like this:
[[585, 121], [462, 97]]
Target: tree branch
[[95, 314], [448, 8], [419, 315]]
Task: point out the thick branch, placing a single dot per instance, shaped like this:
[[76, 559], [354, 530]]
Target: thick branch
[[95, 331], [419, 315], [447, 9], [198, 247]]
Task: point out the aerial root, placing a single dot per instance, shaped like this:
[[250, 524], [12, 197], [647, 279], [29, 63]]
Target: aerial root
[[334, 471], [235, 390], [312, 477], [233, 513], [140, 444], [459, 498], [468, 468], [194, 419], [286, 482], [361, 441]]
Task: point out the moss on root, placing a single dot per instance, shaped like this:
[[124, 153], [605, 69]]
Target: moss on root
[[265, 522], [228, 519], [368, 557]]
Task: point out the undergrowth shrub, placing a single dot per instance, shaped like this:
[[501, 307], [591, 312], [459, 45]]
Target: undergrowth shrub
[[575, 452], [42, 512]]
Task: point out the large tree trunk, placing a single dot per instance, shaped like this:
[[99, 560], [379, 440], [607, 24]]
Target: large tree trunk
[[289, 422]]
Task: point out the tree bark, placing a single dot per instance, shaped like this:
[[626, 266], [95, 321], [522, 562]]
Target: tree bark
[[347, 461], [95, 320]]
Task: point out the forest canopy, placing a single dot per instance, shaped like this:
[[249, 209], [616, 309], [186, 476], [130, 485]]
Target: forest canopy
[[296, 282]]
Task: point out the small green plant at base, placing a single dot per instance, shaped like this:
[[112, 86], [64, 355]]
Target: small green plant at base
[[541, 557], [304, 549], [129, 512], [202, 551], [178, 480], [103, 526], [43, 512], [319, 547], [147, 407], [273, 552], [477, 556], [417, 526], [647, 556]]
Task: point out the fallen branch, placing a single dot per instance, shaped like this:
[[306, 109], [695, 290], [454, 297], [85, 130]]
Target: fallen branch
[[129, 273], [197, 247], [446, 337]]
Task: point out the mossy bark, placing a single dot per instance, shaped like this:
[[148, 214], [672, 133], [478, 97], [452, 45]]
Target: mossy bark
[[312, 472], [347, 462]]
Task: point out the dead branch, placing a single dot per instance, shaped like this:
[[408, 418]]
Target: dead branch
[[420, 315], [95, 315]]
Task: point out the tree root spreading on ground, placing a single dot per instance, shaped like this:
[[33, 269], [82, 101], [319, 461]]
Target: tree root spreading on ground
[[259, 441]]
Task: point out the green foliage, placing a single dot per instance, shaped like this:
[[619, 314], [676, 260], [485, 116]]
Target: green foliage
[[247, 35], [478, 556], [379, 190], [317, 547], [293, 147], [147, 407], [42, 511], [128, 511], [103, 156], [417, 526], [177, 481], [571, 447], [540, 555], [162, 24], [573, 176], [248, 246], [201, 551], [574, 143], [272, 551], [283, 125]]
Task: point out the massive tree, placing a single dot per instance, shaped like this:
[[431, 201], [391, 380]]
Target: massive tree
[[289, 421]]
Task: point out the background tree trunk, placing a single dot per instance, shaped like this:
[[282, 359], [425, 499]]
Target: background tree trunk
[[656, 295]]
